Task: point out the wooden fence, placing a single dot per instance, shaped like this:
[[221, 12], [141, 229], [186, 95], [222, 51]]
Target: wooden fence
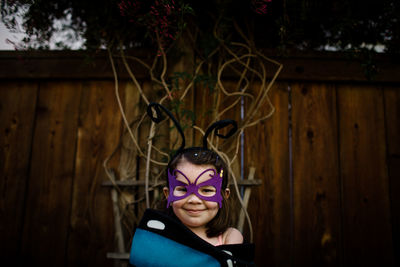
[[328, 159]]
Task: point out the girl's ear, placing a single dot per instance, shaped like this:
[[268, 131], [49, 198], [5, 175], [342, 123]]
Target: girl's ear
[[227, 192], [166, 192]]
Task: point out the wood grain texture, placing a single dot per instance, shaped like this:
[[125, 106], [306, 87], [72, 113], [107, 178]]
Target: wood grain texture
[[266, 146], [392, 122], [298, 66], [17, 109], [48, 202], [129, 153], [366, 209], [143, 136], [91, 222], [315, 174]]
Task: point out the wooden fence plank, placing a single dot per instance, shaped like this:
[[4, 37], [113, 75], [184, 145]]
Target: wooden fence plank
[[392, 119], [299, 66], [17, 106], [143, 134], [91, 230], [204, 107], [269, 208], [366, 222], [50, 180], [128, 155], [316, 176]]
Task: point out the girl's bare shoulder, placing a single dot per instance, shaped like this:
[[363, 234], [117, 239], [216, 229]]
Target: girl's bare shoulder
[[233, 236]]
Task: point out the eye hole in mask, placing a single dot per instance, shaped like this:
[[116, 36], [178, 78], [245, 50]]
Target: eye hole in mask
[[205, 191]]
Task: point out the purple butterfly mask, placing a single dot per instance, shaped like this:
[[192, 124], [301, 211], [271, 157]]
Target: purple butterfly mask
[[193, 188]]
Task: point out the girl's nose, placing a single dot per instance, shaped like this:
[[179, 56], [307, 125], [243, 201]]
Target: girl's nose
[[194, 199]]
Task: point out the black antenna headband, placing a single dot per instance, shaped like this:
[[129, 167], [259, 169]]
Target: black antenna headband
[[216, 126]]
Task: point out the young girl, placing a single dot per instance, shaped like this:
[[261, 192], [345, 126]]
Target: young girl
[[197, 193], [195, 231]]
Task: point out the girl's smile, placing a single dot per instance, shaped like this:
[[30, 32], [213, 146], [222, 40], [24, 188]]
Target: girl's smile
[[194, 211]]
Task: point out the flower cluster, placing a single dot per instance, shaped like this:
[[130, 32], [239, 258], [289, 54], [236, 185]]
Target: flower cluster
[[162, 18], [130, 9], [260, 6]]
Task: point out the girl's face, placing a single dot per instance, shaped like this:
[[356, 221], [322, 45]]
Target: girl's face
[[193, 211]]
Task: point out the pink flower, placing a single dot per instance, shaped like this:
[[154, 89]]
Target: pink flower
[[260, 6]]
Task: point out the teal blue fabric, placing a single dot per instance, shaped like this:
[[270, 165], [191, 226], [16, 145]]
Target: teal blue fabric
[[151, 249]]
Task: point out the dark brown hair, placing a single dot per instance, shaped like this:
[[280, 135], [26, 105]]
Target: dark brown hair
[[202, 156]]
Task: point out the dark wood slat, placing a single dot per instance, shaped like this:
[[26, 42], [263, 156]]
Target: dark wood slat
[[17, 109], [366, 209], [392, 119], [62, 65], [266, 148], [49, 193], [91, 224], [298, 66], [316, 176]]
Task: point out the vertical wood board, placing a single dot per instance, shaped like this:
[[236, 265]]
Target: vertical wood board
[[128, 151], [50, 180], [266, 146], [316, 176], [204, 106], [392, 122], [17, 109], [91, 230], [143, 136], [127, 168], [366, 212]]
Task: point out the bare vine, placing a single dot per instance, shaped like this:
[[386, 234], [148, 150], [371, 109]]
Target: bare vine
[[241, 59]]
